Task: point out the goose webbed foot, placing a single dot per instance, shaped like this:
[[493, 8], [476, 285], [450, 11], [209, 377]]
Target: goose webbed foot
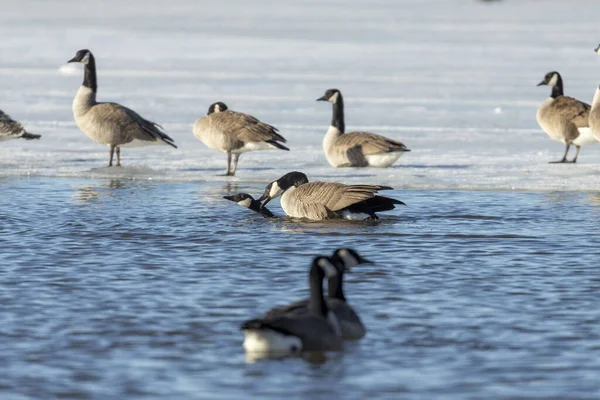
[[564, 160]]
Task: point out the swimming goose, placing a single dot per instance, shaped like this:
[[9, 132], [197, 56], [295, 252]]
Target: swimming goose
[[351, 326], [110, 123], [235, 133], [595, 111], [11, 129], [245, 200], [356, 149], [327, 200], [290, 333], [564, 118]]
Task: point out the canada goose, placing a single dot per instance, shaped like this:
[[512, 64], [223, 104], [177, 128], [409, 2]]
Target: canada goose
[[245, 200], [564, 118], [110, 123], [11, 129], [595, 111], [356, 149], [351, 326], [235, 133], [290, 333], [325, 200]]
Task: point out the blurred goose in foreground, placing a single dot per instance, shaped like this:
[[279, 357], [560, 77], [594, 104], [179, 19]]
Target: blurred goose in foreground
[[356, 149], [351, 326], [11, 129], [111, 124], [290, 333], [235, 133], [327, 200], [564, 118], [595, 111], [245, 200]]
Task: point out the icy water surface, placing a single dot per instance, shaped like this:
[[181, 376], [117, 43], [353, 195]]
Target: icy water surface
[[124, 289]]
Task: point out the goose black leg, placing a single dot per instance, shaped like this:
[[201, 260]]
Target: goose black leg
[[564, 159], [228, 173], [574, 160], [112, 153], [236, 157], [118, 156]]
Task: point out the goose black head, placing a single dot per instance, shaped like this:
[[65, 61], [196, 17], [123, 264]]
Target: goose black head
[[82, 56], [217, 107], [243, 199], [331, 95], [551, 79], [348, 258], [278, 187], [326, 265]]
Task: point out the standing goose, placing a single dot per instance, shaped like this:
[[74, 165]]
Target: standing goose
[[110, 123], [351, 326], [356, 149], [564, 118], [290, 333], [11, 129], [245, 200], [235, 133], [327, 200], [595, 111]]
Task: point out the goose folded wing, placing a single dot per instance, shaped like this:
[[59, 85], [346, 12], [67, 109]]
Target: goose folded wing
[[245, 127], [370, 143], [573, 110], [116, 115]]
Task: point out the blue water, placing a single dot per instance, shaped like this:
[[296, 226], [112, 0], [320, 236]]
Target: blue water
[[128, 289]]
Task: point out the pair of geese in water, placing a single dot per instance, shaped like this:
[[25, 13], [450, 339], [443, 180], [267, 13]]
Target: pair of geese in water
[[317, 324], [319, 200], [569, 120], [221, 129]]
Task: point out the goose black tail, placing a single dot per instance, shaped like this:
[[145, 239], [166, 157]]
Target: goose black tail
[[30, 136], [278, 145]]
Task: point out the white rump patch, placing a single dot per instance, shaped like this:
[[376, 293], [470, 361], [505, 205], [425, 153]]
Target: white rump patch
[[271, 342], [383, 160], [354, 216], [253, 146], [585, 137]]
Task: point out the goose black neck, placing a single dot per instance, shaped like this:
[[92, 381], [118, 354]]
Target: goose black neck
[[89, 75], [335, 286], [557, 90], [317, 302], [338, 114]]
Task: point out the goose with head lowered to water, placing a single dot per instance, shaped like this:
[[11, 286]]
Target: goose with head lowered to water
[[327, 200], [111, 124], [290, 333], [356, 149]]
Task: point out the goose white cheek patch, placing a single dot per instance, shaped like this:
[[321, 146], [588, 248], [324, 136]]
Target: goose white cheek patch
[[553, 80], [245, 203], [275, 190], [86, 58], [333, 99]]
